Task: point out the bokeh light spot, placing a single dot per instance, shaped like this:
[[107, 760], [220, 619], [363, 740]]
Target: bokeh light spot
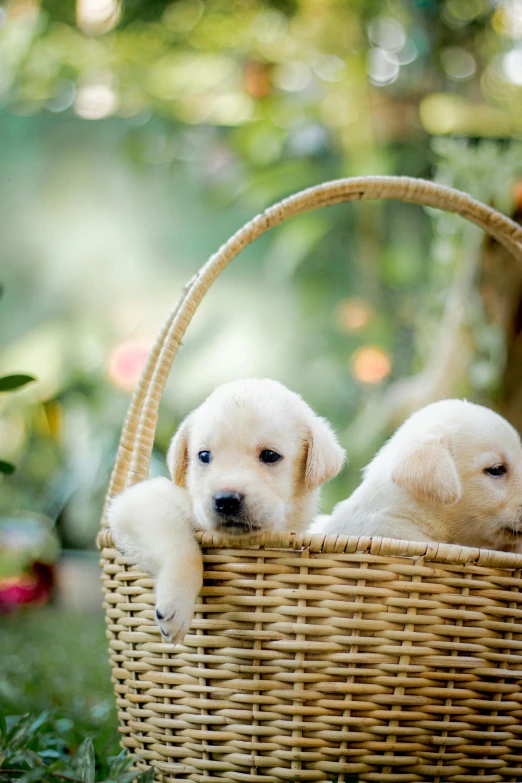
[[371, 365], [269, 25], [507, 19], [383, 67], [95, 101], [329, 68], [292, 76], [353, 314], [232, 108], [126, 363], [512, 66], [462, 12], [408, 53], [97, 16], [387, 33], [458, 63]]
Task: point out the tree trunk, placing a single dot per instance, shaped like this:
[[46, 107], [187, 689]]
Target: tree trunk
[[501, 291]]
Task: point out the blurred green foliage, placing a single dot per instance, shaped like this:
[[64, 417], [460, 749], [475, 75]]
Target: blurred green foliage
[[56, 663], [32, 749]]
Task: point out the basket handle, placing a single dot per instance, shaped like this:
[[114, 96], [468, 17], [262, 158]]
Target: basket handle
[[137, 438]]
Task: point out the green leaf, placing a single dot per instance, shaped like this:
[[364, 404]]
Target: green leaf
[[66, 775], [84, 761], [10, 382], [146, 777], [121, 764], [39, 721], [50, 754], [6, 468], [63, 770], [3, 724], [32, 759], [19, 734], [58, 766]]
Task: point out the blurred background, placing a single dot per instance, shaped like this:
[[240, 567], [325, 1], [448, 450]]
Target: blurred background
[[135, 137]]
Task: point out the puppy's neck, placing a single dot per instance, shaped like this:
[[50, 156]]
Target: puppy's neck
[[386, 510]]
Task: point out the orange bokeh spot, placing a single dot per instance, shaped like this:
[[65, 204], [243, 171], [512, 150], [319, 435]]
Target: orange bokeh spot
[[354, 314], [371, 365], [257, 79]]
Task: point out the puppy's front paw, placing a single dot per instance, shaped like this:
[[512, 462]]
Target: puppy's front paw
[[175, 601], [174, 618]]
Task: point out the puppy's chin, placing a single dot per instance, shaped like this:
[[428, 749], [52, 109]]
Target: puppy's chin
[[236, 528], [242, 527], [509, 538], [254, 519], [506, 534]]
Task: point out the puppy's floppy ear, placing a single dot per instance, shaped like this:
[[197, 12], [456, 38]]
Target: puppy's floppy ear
[[177, 455], [429, 472], [324, 457]]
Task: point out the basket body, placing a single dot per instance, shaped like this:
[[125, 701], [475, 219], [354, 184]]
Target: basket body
[[388, 660], [315, 658]]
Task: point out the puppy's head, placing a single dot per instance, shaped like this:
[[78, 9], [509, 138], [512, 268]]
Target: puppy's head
[[465, 462], [252, 458]]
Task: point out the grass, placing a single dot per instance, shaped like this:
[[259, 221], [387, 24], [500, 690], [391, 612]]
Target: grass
[[55, 660]]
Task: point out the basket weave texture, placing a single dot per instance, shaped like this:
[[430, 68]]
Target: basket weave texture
[[318, 658]]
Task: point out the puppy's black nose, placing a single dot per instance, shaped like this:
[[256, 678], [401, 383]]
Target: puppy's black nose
[[228, 503]]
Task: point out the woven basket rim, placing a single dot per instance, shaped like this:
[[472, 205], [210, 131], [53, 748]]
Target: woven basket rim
[[340, 544]]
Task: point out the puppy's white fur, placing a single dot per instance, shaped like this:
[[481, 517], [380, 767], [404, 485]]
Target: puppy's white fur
[[152, 523], [429, 482]]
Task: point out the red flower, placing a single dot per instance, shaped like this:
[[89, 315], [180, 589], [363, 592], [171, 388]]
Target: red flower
[[32, 589]]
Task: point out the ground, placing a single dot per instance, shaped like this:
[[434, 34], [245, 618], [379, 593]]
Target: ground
[[56, 660]]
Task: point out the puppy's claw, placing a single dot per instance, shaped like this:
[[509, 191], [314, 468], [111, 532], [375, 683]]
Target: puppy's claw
[[167, 637], [174, 622]]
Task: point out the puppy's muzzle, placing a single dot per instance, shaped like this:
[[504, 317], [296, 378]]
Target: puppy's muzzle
[[228, 503]]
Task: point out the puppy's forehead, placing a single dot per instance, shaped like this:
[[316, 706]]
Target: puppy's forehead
[[485, 430], [258, 414], [466, 424]]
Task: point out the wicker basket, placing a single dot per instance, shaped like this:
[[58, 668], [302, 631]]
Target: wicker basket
[[314, 658]]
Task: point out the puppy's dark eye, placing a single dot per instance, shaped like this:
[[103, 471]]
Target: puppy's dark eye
[[269, 457], [496, 470], [205, 457]]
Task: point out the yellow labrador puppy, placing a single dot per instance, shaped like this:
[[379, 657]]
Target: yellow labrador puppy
[[452, 473], [249, 460]]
